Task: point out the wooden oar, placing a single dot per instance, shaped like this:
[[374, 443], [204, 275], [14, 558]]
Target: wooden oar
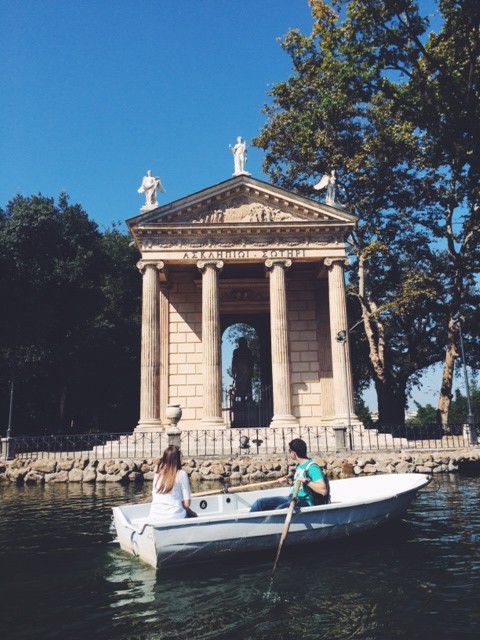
[[241, 487], [286, 526]]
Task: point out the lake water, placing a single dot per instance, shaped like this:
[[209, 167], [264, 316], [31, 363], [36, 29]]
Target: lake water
[[62, 576]]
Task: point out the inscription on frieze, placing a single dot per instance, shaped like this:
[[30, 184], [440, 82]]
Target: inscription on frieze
[[243, 254], [244, 295]]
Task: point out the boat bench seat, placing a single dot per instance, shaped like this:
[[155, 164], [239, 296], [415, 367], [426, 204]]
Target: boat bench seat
[[220, 504]]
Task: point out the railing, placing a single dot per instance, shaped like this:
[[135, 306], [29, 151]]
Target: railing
[[208, 443], [252, 413]]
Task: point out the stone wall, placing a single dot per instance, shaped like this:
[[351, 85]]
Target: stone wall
[[303, 343], [235, 470], [185, 366]]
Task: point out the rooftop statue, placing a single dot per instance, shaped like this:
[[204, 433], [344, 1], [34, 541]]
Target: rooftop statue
[[150, 185], [239, 151], [330, 182]]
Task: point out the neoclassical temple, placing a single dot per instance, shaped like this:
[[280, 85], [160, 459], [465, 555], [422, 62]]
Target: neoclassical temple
[[244, 251]]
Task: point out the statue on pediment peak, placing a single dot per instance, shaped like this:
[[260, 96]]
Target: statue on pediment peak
[[239, 151]]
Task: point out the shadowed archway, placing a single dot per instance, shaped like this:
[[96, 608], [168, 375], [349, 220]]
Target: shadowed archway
[[250, 406]]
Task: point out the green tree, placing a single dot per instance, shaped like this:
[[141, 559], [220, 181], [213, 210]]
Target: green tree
[[69, 326], [459, 407], [425, 415], [359, 101], [115, 350], [52, 258]]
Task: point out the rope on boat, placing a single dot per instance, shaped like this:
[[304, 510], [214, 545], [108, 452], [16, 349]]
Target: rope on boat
[[132, 543]]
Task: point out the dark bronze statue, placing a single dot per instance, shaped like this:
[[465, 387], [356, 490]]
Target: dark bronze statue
[[242, 370]]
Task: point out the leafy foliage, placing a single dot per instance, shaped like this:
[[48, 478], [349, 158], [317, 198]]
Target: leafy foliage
[[69, 330], [393, 107], [458, 410]]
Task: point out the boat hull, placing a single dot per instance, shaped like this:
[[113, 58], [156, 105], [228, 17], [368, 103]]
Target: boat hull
[[226, 526]]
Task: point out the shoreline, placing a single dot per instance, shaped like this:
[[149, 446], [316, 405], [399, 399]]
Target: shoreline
[[235, 469]]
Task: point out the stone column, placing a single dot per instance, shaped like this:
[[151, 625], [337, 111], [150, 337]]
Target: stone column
[[282, 399], [150, 419], [341, 370], [212, 379], [164, 349]]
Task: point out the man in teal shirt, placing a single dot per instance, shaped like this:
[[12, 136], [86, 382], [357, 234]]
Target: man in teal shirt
[[312, 481]]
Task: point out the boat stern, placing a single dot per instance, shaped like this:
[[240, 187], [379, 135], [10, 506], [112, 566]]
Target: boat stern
[[135, 536]]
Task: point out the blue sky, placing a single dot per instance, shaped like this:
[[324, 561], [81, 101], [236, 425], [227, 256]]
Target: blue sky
[[95, 92]]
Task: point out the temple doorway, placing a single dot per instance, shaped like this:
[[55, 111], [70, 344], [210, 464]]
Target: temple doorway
[[246, 371]]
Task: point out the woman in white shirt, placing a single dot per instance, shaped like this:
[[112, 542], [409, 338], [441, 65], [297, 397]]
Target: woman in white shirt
[[171, 495]]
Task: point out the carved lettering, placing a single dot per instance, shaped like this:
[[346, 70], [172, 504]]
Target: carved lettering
[[242, 254]]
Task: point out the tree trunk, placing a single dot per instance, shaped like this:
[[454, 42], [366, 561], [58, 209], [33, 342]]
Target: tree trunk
[[392, 400], [445, 397], [391, 393]]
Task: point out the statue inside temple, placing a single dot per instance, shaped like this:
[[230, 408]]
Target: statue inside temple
[[242, 371]]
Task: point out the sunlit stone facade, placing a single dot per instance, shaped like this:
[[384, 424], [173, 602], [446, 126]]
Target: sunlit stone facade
[[244, 251]]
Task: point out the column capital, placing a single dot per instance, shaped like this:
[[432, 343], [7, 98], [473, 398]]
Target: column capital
[[286, 263], [216, 264], [143, 264], [329, 262]]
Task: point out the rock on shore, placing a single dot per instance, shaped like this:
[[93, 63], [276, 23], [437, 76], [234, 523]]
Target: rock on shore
[[231, 470]]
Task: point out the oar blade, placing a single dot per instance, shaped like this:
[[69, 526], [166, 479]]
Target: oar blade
[[286, 526]]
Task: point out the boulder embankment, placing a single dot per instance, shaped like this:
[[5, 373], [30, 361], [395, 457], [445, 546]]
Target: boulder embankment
[[233, 470]]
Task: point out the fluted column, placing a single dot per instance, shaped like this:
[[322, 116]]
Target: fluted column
[[164, 349], [341, 369], [212, 380], [150, 347], [282, 399]]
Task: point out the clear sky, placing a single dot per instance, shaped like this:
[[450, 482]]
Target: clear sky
[[95, 92]]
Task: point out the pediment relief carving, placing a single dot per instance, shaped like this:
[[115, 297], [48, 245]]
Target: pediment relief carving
[[236, 210]]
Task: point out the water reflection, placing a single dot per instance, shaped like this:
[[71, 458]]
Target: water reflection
[[64, 577]]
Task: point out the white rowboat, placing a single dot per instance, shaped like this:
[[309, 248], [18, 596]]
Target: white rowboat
[[225, 525]]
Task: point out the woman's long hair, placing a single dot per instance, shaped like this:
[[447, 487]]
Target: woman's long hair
[[167, 469]]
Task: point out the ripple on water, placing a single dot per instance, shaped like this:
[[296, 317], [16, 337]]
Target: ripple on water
[[419, 578]]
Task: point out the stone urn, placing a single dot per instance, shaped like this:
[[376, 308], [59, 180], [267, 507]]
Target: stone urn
[[244, 442], [173, 413]]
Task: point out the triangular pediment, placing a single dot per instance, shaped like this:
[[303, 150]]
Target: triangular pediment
[[242, 200]]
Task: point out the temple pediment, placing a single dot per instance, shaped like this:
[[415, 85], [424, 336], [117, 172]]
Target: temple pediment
[[241, 219], [242, 200]]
